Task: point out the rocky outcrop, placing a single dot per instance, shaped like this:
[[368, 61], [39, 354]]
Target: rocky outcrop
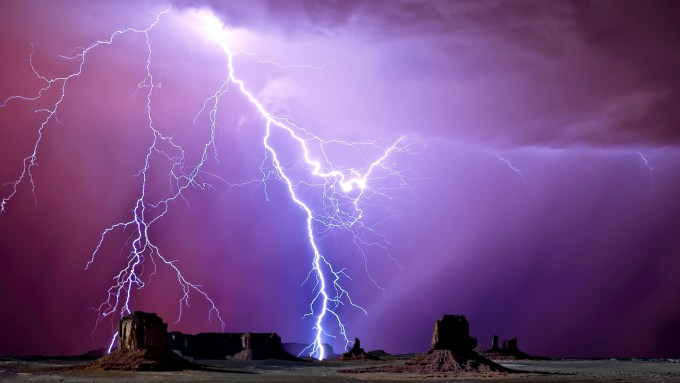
[[451, 352], [142, 346], [494, 344], [452, 332], [435, 361], [205, 345], [257, 346], [236, 346], [142, 330], [357, 353], [510, 350]]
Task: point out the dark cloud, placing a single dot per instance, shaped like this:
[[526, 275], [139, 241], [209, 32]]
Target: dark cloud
[[560, 73]]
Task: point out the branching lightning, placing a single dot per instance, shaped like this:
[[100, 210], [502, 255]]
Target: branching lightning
[[343, 190], [338, 185]]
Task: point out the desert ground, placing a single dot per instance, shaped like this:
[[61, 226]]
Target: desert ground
[[43, 369]]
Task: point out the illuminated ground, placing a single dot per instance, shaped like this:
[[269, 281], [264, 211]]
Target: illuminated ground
[[36, 369]]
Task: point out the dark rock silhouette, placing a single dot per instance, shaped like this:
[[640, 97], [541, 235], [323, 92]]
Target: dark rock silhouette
[[205, 345], [357, 353], [142, 346], [452, 332], [494, 344], [257, 346], [451, 352], [237, 346], [510, 350]]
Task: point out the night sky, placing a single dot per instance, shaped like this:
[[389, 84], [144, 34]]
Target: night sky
[[538, 178]]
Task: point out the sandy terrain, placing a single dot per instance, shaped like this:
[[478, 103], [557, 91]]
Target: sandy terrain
[[60, 370]]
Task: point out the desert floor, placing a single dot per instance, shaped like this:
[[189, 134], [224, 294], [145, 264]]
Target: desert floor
[[40, 369]]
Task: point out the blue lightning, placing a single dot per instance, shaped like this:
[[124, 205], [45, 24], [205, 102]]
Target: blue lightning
[[343, 189], [329, 292]]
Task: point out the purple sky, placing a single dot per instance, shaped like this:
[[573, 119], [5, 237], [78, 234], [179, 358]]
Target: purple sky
[[529, 207]]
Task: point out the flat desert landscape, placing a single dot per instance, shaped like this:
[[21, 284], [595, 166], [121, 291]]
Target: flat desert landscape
[[39, 369]]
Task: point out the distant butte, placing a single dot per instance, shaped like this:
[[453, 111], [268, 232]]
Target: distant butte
[[509, 351], [356, 353], [451, 353], [234, 346]]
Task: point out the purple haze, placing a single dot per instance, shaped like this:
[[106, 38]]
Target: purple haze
[[531, 209]]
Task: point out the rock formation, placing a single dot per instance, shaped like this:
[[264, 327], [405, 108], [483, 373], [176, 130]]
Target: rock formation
[[451, 352], [452, 332], [142, 346], [257, 346], [494, 344], [236, 346], [142, 330], [510, 350], [205, 345], [357, 353]]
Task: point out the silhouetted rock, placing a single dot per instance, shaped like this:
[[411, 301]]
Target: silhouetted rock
[[494, 344], [141, 330], [256, 346], [510, 350], [205, 345], [451, 352], [452, 332], [142, 346], [237, 346], [357, 353]]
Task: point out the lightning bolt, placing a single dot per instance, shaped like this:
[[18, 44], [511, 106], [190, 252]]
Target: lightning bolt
[[510, 165], [343, 190], [337, 183], [649, 167], [281, 66]]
